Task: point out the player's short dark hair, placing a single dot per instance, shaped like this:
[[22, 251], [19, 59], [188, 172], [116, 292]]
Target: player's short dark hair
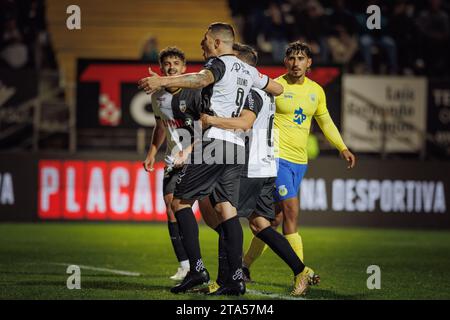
[[223, 28], [298, 46], [171, 52], [246, 53]]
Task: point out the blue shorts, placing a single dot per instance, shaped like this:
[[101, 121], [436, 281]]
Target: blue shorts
[[288, 180]]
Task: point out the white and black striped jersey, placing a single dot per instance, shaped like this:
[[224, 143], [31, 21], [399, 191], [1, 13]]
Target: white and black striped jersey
[[260, 159], [177, 110], [225, 98]]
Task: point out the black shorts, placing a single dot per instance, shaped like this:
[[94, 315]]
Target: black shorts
[[256, 195], [170, 179], [196, 181]]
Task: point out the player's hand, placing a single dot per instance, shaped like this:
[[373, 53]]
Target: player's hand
[[349, 157], [180, 158], [204, 118], [150, 84], [148, 163]]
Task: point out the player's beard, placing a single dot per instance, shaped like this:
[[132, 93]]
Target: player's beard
[[295, 76], [207, 53]]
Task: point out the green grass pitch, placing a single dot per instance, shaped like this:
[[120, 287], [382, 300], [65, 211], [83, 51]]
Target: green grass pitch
[[414, 264]]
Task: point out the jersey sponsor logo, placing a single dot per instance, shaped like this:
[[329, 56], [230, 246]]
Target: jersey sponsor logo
[[299, 116], [251, 102], [282, 190], [268, 160], [183, 105], [239, 67]]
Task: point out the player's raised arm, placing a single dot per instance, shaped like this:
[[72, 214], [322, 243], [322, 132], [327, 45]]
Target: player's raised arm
[[263, 82], [190, 80]]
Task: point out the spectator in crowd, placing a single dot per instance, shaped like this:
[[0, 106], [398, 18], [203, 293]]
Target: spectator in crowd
[[150, 52], [404, 42], [342, 40], [403, 30], [250, 18], [312, 27], [276, 31], [13, 52], [433, 25], [239, 11], [377, 39], [24, 40]]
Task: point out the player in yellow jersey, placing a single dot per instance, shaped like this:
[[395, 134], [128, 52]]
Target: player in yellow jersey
[[302, 100]]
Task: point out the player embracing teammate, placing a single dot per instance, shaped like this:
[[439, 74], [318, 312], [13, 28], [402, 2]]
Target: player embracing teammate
[[226, 82]]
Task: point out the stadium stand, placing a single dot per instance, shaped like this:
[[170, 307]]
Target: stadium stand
[[112, 30]]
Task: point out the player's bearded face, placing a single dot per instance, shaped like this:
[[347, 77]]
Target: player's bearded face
[[172, 66], [207, 45], [297, 64]]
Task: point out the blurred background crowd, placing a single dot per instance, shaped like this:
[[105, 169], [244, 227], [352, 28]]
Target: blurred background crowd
[[24, 41], [413, 39]]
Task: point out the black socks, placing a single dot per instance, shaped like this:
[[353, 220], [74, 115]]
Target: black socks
[[189, 231], [233, 238], [177, 244], [282, 248], [222, 273]]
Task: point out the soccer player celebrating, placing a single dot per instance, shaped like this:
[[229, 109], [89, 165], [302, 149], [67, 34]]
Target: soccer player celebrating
[[226, 81], [302, 100], [258, 177], [174, 108]]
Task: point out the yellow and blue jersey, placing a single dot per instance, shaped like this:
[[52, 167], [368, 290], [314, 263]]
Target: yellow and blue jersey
[[295, 109]]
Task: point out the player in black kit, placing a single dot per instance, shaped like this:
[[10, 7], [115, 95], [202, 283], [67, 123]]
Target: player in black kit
[[226, 81]]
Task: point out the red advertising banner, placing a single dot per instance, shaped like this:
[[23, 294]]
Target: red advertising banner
[[107, 93], [74, 191], [101, 190], [50, 187]]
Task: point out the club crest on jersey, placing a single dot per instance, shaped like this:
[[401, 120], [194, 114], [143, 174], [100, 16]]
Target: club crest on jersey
[[299, 117], [188, 122], [312, 97], [183, 105], [282, 190]]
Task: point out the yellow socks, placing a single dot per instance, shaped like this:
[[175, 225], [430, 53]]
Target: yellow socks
[[256, 249], [295, 240]]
